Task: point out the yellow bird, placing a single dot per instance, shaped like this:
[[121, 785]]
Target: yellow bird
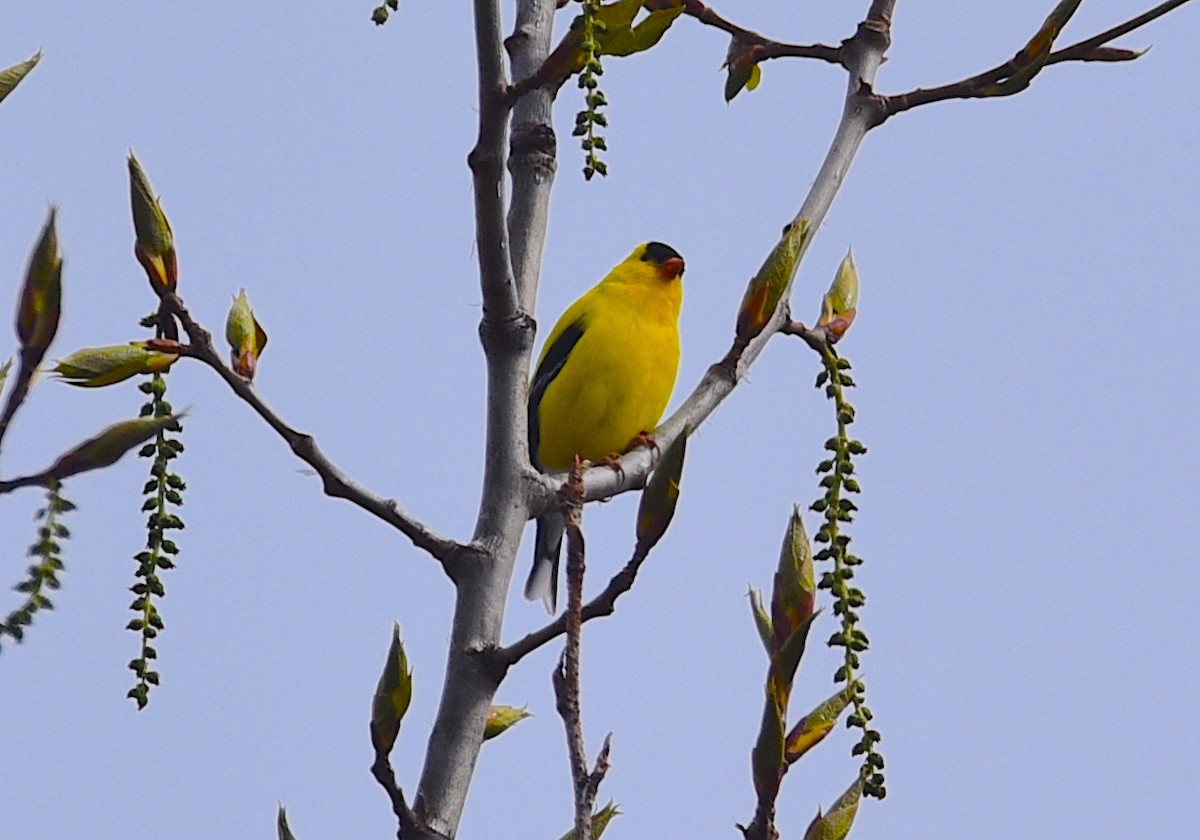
[[604, 377]]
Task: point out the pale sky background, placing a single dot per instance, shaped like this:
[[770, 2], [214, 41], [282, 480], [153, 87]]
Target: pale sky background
[[1025, 352]]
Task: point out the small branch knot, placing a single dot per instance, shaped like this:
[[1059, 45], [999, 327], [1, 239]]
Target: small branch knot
[[507, 335]]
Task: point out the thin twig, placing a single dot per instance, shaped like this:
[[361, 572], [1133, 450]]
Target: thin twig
[[381, 769], [602, 605], [819, 338], [566, 675], [1081, 51], [770, 48], [983, 84], [20, 388]]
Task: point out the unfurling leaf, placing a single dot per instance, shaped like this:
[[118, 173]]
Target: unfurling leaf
[[836, 824], [818, 723], [785, 662], [762, 621], [767, 286], [106, 448], [95, 367], [502, 718], [600, 821], [1113, 54], [12, 76], [281, 825], [795, 588], [767, 763], [392, 696], [1032, 57], [617, 36], [41, 297], [648, 31], [742, 62], [155, 244], [245, 335], [657, 506], [840, 304]]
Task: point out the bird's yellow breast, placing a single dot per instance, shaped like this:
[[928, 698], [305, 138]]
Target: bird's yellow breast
[[619, 376]]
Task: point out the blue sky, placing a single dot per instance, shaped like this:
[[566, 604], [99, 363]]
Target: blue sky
[[1025, 352]]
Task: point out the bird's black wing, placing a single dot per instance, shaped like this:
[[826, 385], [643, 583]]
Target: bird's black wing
[[552, 363]]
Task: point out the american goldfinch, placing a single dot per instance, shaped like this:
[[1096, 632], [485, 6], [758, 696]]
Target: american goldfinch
[[604, 377]]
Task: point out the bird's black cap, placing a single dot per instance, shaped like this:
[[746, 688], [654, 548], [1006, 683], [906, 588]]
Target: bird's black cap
[[659, 253]]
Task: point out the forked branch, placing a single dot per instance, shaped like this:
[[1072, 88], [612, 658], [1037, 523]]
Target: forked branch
[[991, 83]]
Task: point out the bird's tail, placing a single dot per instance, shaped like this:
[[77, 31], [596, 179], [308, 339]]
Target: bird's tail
[[543, 577]]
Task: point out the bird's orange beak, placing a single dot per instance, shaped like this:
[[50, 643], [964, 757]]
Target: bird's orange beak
[[671, 268]]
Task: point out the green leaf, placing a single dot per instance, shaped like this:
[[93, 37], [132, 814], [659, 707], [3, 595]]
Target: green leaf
[[600, 821], [95, 367], [12, 76], [106, 448], [648, 32], [657, 506], [502, 718], [762, 621], [40, 304], [741, 61], [836, 824], [1032, 57], [786, 660], [767, 762], [766, 288], [818, 723]]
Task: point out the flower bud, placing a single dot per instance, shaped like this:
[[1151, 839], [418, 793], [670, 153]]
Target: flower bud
[[392, 696], [155, 244], [41, 296], [245, 335], [840, 303]]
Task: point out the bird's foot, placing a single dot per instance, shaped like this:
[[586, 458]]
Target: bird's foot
[[613, 462], [572, 489], [644, 438]]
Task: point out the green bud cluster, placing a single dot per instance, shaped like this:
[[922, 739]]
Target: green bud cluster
[[591, 118], [163, 490], [838, 510], [43, 574]]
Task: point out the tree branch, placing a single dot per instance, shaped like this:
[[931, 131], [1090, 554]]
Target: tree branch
[[764, 47], [482, 575], [20, 388], [602, 605], [984, 84], [334, 481], [532, 159], [566, 676], [381, 769]]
